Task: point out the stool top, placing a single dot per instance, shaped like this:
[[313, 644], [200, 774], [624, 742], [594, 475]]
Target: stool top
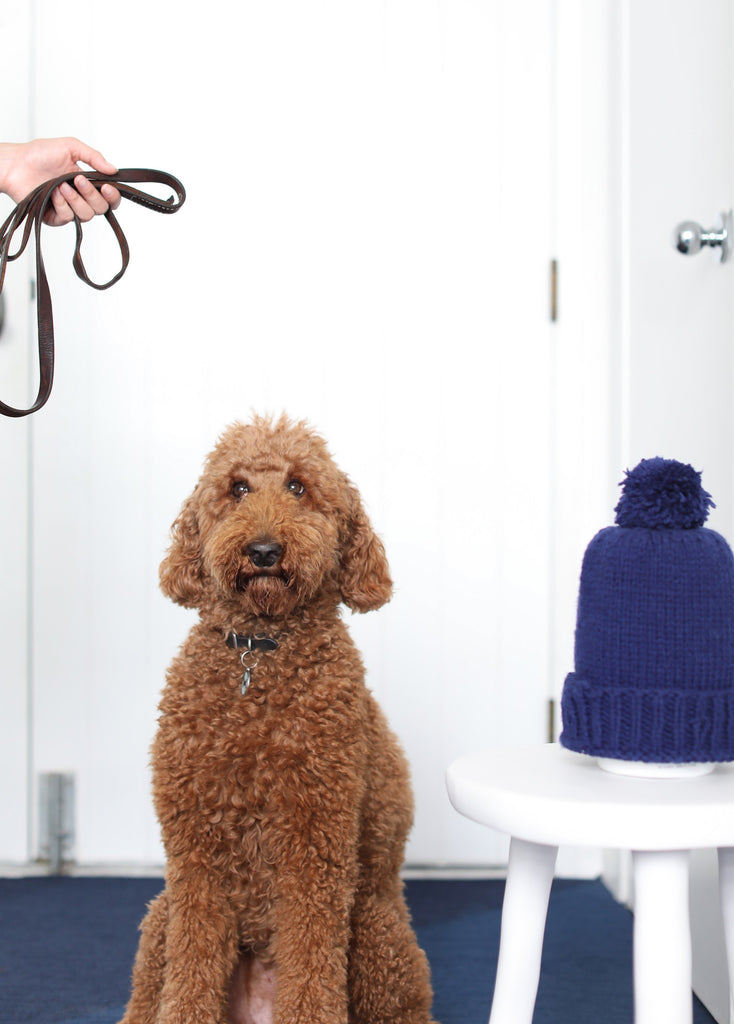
[[547, 794]]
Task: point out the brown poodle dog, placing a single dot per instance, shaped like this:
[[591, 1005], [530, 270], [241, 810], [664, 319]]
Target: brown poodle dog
[[283, 797]]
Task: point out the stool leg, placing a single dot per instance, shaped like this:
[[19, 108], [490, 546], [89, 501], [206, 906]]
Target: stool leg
[[662, 938], [726, 891], [524, 910]]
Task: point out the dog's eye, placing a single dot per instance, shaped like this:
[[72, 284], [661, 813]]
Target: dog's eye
[[239, 489], [296, 487]]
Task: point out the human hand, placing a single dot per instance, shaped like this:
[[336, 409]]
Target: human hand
[[25, 165]]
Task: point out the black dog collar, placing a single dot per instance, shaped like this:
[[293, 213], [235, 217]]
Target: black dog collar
[[241, 642]]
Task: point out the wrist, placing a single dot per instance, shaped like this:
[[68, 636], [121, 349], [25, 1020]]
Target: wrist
[[10, 163]]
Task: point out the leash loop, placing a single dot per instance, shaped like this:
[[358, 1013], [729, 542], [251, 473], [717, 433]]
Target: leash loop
[[27, 218]]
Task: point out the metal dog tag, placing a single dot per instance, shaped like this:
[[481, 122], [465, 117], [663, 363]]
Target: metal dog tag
[[245, 684]]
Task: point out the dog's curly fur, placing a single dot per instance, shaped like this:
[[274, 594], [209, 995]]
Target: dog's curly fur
[[284, 812]]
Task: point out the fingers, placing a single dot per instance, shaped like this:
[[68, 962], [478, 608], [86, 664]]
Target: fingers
[[59, 212], [112, 196], [82, 199]]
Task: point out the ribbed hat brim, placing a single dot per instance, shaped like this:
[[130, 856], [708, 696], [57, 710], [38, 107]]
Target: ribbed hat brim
[[634, 724]]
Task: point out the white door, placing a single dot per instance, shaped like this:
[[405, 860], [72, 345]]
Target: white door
[[352, 250], [643, 360], [679, 311]]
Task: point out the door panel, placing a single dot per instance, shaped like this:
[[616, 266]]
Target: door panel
[[349, 252], [677, 354]]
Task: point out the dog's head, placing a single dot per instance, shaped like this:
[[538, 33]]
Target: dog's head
[[271, 525]]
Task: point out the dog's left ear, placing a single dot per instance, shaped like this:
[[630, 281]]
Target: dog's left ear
[[364, 577]]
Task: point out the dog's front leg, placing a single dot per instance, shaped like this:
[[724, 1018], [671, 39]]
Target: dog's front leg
[[150, 963], [311, 943], [314, 851], [201, 950]]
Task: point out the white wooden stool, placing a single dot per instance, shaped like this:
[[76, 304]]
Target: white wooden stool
[[546, 796]]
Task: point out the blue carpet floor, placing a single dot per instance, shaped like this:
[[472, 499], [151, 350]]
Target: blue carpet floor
[[67, 945]]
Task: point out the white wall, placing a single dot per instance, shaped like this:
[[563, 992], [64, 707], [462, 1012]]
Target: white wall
[[365, 243], [14, 461]]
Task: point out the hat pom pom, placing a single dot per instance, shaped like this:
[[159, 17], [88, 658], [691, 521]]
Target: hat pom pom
[[663, 494]]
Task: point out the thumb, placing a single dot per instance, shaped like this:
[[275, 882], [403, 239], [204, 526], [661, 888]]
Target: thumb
[[92, 157]]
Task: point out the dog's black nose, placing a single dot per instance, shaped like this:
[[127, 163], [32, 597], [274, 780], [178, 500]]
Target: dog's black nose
[[264, 553]]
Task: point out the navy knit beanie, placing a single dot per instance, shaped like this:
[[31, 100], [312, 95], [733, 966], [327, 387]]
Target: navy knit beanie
[[654, 651]]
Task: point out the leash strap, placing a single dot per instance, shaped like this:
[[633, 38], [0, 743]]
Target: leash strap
[[28, 218]]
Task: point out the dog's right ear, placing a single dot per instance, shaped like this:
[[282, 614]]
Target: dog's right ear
[[181, 571]]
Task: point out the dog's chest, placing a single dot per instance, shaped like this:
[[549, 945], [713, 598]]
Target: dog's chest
[[230, 765]]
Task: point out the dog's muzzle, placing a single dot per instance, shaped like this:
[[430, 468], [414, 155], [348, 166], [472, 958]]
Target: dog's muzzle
[[262, 563]]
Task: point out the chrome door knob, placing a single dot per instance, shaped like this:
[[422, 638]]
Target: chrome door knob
[[689, 237]]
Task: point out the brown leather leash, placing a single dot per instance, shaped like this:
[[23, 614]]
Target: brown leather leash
[[28, 217]]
